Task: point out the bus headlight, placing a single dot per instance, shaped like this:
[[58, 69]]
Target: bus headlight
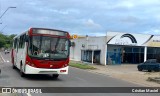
[[65, 65], [29, 63]]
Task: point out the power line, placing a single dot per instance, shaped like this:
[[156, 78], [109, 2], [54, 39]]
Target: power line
[[3, 28]]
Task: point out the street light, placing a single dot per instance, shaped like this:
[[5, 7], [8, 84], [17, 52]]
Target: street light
[[6, 11]]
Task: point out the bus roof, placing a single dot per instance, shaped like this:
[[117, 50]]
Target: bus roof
[[50, 29], [41, 29]]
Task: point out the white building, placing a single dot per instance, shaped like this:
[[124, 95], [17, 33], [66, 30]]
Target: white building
[[116, 48]]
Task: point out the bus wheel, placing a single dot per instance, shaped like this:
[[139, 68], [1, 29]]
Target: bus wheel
[[55, 75], [21, 72], [13, 66]]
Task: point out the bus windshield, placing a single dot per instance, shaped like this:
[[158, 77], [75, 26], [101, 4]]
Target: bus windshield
[[46, 47]]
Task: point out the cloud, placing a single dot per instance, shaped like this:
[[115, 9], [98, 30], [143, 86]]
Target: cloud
[[131, 4], [126, 4], [154, 31], [82, 17], [129, 19], [97, 34], [61, 12], [90, 23], [65, 12]]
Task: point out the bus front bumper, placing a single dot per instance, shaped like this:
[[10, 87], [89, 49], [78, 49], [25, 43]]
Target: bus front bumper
[[33, 70]]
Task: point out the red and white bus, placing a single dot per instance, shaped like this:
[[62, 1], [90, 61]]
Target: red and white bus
[[41, 51]]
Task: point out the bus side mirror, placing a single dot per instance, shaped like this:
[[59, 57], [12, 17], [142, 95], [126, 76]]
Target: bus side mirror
[[27, 38]]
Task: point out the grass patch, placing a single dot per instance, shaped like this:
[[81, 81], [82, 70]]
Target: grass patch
[[81, 66]]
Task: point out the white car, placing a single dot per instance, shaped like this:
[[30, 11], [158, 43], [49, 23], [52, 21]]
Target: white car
[[6, 51]]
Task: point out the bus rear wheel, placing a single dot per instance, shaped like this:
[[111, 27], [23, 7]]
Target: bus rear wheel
[[13, 66], [55, 75]]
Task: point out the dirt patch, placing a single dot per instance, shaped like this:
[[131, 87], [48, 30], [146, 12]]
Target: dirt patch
[[127, 72], [154, 79]]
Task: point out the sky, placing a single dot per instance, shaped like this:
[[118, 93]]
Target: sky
[[81, 17]]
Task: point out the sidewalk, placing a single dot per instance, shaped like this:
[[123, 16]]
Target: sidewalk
[[127, 72]]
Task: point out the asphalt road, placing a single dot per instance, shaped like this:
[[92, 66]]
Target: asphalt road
[[75, 78]]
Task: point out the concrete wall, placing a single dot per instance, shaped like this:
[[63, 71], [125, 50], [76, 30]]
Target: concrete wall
[[90, 43], [75, 51]]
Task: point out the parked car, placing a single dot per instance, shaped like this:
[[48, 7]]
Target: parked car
[[149, 65], [6, 51]]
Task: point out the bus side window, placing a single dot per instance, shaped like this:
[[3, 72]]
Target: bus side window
[[22, 41], [15, 43]]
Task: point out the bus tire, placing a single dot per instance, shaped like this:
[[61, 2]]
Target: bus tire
[[140, 69], [55, 76], [21, 72], [13, 66]]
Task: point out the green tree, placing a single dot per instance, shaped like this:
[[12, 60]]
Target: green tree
[[6, 40], [2, 40], [9, 40]]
